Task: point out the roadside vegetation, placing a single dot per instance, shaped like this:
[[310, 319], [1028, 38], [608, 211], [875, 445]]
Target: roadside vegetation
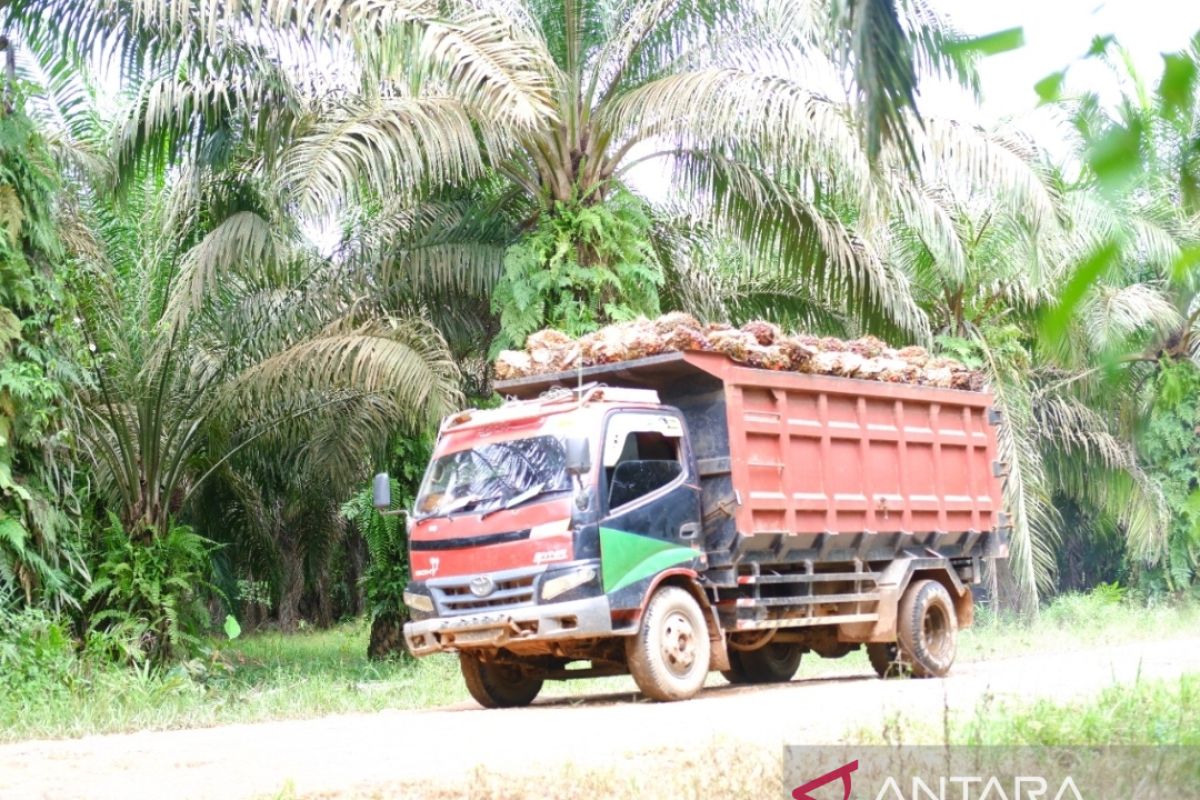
[[250, 253], [50, 691]]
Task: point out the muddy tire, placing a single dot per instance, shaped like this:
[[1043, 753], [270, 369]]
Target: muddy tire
[[772, 663], [927, 629], [736, 674], [498, 685], [668, 657], [886, 659]]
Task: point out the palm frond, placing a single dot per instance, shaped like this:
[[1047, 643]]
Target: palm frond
[[404, 361], [777, 119], [244, 241], [1119, 318], [792, 238], [393, 146], [1097, 468], [1027, 489]]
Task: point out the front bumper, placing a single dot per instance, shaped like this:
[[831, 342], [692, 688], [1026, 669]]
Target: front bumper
[[574, 619]]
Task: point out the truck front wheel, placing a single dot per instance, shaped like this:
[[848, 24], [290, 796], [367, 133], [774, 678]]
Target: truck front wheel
[[668, 657], [927, 629], [498, 685]]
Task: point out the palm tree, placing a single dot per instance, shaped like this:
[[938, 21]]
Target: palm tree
[[381, 107], [278, 383], [1139, 157], [466, 148], [231, 358], [1068, 393]]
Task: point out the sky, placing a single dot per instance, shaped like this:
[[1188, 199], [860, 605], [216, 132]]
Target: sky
[[1057, 33]]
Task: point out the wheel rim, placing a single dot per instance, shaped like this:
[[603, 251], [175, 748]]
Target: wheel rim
[[509, 675], [678, 644], [935, 629]]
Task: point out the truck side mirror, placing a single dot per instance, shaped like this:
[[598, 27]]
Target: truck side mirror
[[381, 490], [579, 456]]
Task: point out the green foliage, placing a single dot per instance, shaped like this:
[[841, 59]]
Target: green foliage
[[37, 536], [585, 264], [1170, 445], [1147, 712], [148, 591], [387, 574], [964, 350], [36, 648]]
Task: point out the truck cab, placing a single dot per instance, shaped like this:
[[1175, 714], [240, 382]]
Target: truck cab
[[540, 526], [597, 523]]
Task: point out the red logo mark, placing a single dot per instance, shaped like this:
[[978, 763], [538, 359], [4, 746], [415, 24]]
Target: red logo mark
[[843, 772]]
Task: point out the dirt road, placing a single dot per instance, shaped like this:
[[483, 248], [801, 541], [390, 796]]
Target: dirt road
[[373, 754]]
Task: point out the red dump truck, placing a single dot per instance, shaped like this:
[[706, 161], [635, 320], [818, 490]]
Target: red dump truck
[[684, 513]]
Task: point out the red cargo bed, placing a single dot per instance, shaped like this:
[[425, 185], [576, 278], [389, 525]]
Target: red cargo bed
[[816, 454]]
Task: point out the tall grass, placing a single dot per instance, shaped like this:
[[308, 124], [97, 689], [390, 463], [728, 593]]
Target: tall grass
[[269, 676]]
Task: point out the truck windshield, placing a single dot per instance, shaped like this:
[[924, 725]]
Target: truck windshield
[[494, 476]]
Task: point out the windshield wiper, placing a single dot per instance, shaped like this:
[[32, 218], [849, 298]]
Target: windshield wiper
[[463, 503], [532, 493]]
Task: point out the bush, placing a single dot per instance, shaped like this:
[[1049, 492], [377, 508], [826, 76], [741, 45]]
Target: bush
[[36, 649], [146, 601]]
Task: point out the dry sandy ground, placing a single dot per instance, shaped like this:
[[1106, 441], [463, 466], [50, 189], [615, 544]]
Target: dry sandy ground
[[396, 753]]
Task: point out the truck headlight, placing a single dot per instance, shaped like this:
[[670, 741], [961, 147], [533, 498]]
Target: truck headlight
[[565, 583], [419, 602]]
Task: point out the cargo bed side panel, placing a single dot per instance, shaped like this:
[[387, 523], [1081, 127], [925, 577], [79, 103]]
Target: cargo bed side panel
[[815, 454]]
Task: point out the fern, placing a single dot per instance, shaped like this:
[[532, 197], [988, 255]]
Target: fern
[[1171, 448], [38, 537], [146, 598], [584, 265], [386, 538]]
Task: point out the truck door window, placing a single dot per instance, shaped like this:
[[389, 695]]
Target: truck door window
[[641, 455]]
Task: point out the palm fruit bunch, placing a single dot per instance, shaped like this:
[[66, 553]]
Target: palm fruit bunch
[[758, 344]]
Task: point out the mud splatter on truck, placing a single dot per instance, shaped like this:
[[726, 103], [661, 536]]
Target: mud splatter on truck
[[681, 513]]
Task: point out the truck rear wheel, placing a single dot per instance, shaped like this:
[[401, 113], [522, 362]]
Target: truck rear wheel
[[498, 685], [776, 662], [736, 674], [886, 659], [927, 629], [668, 657]]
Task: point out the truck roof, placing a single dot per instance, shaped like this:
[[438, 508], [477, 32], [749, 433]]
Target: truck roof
[[549, 401]]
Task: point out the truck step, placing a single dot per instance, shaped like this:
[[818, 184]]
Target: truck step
[[802, 622], [721, 577], [800, 577], [720, 559], [807, 600]]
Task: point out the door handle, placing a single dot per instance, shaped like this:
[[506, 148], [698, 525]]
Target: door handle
[[688, 530]]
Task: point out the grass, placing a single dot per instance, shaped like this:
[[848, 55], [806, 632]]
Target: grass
[[275, 676], [262, 677], [1147, 712]]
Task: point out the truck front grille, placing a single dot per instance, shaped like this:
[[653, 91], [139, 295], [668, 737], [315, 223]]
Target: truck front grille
[[508, 592]]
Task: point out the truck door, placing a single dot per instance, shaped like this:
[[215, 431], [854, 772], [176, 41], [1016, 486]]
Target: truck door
[[650, 503]]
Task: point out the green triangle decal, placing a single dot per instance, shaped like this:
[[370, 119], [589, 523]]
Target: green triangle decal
[[626, 558]]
